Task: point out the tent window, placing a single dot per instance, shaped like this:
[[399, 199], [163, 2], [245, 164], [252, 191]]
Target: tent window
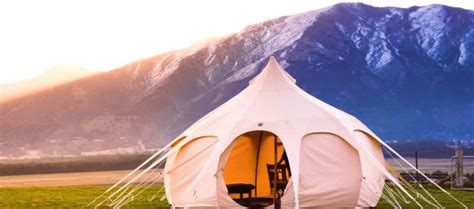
[[178, 141], [256, 159]]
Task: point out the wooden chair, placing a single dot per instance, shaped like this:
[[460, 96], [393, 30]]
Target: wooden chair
[[281, 178]]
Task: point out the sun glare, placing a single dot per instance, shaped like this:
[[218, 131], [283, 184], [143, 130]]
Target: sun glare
[[102, 35]]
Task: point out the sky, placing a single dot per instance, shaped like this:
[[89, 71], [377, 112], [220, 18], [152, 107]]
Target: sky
[[106, 34]]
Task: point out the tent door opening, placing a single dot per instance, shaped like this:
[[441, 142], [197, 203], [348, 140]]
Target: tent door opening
[[257, 170]]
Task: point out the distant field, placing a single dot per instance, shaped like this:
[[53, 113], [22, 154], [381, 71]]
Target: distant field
[[65, 179], [68, 190], [431, 165], [44, 191], [71, 164]]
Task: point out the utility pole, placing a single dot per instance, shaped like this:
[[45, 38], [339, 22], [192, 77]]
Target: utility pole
[[416, 165], [458, 182]]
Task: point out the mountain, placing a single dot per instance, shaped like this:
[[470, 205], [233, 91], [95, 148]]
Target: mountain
[[407, 73], [54, 76]]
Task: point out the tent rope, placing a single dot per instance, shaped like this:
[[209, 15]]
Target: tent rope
[[129, 174], [125, 193], [437, 205], [388, 201], [427, 201], [390, 194], [400, 194], [396, 194], [116, 206], [409, 187], [145, 188], [388, 175], [156, 194], [141, 187], [119, 196], [163, 197], [150, 179], [139, 190], [142, 173], [419, 195], [431, 181], [161, 159]]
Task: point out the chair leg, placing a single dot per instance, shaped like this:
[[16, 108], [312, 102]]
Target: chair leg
[[250, 197]]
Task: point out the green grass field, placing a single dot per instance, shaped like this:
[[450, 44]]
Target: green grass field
[[70, 197], [467, 197], [80, 196]]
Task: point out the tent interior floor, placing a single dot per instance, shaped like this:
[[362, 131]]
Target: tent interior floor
[[256, 202]]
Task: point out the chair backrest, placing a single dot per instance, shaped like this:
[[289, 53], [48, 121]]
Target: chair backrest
[[280, 172]]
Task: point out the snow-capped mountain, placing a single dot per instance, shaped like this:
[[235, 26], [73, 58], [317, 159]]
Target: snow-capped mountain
[[407, 73]]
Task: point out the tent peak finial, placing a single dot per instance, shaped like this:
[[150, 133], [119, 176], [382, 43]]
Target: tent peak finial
[[275, 67], [272, 59], [273, 62]]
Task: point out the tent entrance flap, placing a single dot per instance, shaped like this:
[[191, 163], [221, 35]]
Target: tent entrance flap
[[257, 169]]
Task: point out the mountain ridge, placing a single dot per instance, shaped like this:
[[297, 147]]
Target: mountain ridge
[[407, 76], [54, 76]]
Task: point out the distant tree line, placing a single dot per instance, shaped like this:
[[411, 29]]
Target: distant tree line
[[72, 164], [439, 177]]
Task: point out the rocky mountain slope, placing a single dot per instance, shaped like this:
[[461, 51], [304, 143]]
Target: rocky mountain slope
[[407, 73]]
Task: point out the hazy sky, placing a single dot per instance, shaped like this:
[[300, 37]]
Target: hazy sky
[[102, 34]]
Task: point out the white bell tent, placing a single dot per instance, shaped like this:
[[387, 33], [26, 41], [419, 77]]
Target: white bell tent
[[273, 142]]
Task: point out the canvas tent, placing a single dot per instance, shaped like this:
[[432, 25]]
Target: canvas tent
[[335, 160], [331, 159]]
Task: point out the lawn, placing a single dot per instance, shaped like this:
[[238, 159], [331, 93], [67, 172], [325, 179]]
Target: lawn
[[70, 197], [80, 196], [467, 197]]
